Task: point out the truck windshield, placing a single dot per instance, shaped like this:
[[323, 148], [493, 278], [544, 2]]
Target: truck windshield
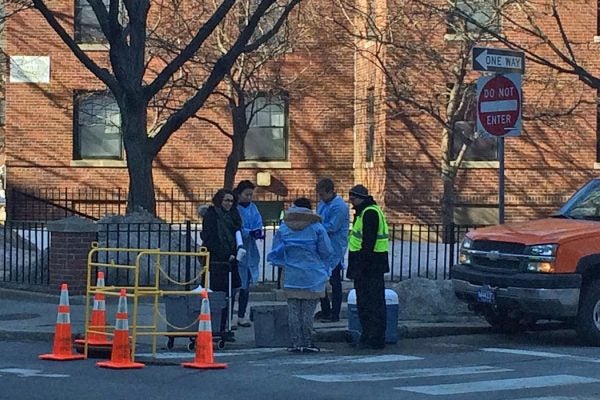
[[584, 204]]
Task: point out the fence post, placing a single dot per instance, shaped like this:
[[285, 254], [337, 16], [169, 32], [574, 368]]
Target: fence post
[[451, 242], [188, 249]]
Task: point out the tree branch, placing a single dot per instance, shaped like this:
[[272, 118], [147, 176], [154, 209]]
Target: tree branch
[[273, 31], [203, 33], [101, 73]]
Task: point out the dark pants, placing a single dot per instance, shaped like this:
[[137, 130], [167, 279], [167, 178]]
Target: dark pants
[[243, 298], [370, 302], [225, 311], [332, 309]]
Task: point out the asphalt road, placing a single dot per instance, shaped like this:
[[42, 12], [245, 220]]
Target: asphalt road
[[532, 366]]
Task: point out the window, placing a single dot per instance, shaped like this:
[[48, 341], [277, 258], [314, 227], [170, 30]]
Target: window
[[370, 124], [484, 12], [371, 21], [97, 127], [267, 135], [87, 27], [598, 18], [482, 148], [479, 148], [266, 23], [2, 112]]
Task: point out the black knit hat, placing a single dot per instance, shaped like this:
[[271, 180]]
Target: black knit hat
[[302, 202], [243, 185], [359, 191]]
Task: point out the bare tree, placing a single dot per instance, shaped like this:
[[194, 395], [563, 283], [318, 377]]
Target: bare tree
[[405, 35], [542, 32], [137, 77], [256, 78]]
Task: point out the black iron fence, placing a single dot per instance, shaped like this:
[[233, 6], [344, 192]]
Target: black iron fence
[[172, 206], [415, 251], [25, 253]]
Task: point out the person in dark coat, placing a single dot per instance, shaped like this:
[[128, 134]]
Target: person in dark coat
[[367, 263], [220, 226]]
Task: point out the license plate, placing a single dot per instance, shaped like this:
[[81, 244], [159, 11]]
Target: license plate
[[486, 295]]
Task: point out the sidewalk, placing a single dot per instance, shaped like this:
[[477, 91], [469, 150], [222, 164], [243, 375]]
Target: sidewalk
[[32, 316]]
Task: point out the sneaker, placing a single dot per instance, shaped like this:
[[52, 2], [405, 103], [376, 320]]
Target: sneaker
[[294, 349], [244, 322], [311, 348]]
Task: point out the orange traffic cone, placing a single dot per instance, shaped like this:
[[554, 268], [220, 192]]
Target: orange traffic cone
[[120, 357], [97, 336], [204, 348], [63, 349]]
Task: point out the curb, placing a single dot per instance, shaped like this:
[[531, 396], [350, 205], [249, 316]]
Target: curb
[[41, 297], [410, 331]]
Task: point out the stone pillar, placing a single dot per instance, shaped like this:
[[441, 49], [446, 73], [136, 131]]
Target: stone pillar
[[70, 242]]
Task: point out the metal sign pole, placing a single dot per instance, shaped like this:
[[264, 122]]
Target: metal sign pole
[[499, 101], [501, 180]]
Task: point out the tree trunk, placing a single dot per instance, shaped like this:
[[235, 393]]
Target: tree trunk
[[240, 129], [231, 168], [141, 194], [448, 198], [141, 183], [448, 194]]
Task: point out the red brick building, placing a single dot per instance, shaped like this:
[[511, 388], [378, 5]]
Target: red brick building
[[344, 125], [556, 152]]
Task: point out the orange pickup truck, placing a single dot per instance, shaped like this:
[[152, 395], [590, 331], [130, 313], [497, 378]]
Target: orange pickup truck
[[517, 274]]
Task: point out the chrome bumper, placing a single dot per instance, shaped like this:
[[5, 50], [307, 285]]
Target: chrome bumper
[[551, 303]]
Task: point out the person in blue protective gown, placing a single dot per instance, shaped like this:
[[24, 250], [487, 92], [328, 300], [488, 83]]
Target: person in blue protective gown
[[252, 230], [302, 247], [336, 220]]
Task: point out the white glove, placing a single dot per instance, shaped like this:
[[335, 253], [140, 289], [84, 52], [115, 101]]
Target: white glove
[[241, 253]]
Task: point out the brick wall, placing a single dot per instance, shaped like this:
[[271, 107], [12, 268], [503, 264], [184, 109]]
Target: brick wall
[[40, 123], [555, 154]]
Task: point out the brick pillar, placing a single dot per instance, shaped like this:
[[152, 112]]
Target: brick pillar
[[70, 243]]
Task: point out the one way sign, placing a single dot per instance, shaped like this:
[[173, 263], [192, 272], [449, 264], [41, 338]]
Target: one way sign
[[498, 60]]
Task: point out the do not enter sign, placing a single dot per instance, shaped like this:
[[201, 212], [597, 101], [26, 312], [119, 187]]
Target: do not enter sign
[[499, 105]]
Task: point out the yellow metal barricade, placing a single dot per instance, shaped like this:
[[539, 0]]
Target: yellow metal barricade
[[136, 291]]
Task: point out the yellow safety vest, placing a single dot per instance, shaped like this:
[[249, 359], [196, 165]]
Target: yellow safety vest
[[356, 235]]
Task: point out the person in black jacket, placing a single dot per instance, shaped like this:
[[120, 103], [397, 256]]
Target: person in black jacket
[[367, 263], [220, 226]]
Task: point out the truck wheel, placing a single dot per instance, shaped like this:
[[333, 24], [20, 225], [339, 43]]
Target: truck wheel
[[503, 323], [588, 317]]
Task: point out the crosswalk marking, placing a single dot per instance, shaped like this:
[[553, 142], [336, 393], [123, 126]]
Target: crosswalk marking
[[543, 354], [402, 374], [557, 398], [28, 373], [314, 359], [497, 385], [226, 353]]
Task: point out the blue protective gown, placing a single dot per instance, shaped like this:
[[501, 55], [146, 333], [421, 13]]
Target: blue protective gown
[[302, 247], [336, 220], [251, 220]]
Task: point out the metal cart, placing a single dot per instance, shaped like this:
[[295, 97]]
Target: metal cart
[[182, 316]]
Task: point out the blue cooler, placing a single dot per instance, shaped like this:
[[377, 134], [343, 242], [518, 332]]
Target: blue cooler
[[391, 307]]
